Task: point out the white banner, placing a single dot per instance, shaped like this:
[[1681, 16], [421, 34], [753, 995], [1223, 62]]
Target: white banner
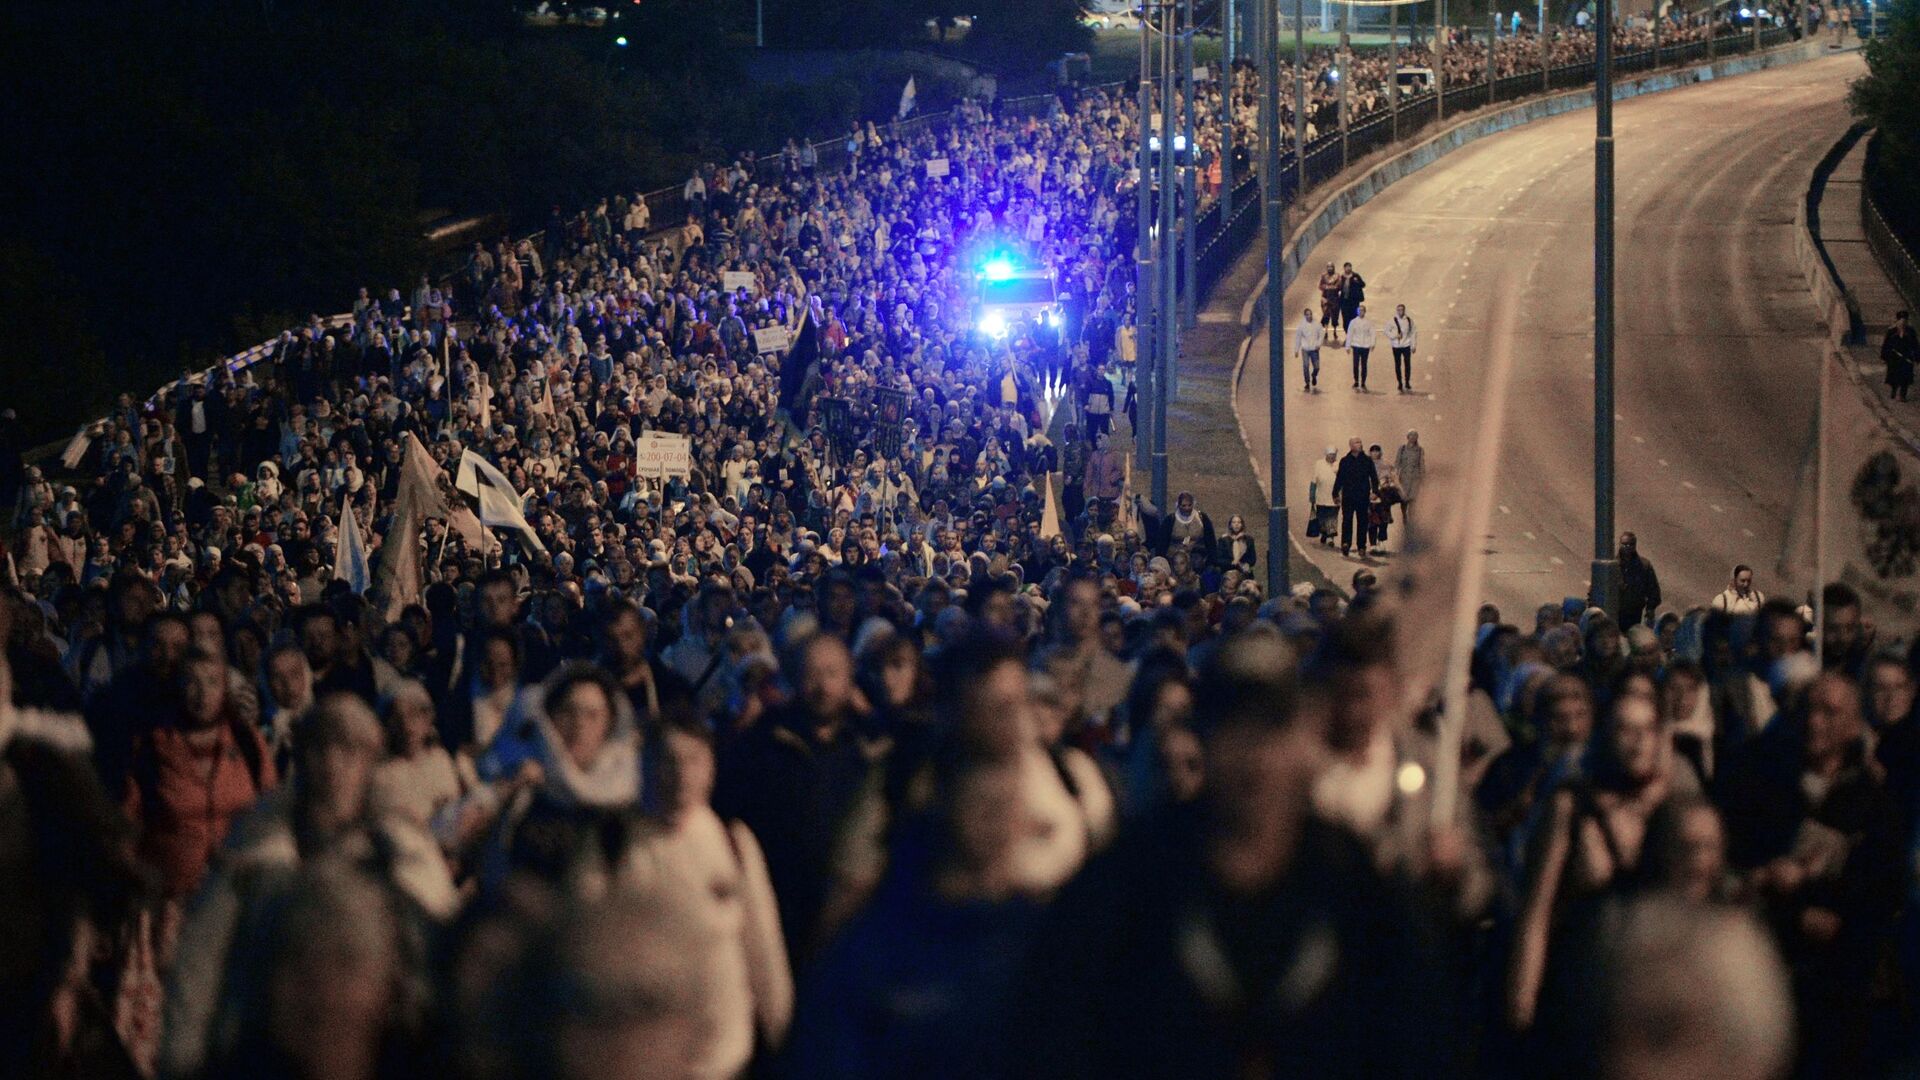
[[1202, 74], [735, 280], [658, 454], [936, 167], [771, 339]]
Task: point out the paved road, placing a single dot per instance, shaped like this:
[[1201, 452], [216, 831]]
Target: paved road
[[1717, 338]]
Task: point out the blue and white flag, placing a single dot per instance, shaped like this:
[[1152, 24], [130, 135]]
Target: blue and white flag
[[906, 100], [350, 553]]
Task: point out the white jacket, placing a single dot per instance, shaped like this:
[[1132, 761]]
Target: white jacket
[[1309, 335], [1401, 333], [1360, 333]]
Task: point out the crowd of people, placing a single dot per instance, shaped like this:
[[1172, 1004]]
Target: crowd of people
[[860, 743]]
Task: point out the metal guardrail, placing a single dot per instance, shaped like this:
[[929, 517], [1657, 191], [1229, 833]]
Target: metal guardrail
[[1896, 258], [1219, 246]]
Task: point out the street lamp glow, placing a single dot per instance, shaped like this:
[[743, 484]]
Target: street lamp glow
[[621, 41]]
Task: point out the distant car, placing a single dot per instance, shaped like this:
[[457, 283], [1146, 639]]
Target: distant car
[[1414, 78]]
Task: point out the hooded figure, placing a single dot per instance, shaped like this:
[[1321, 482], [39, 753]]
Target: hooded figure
[[570, 758]]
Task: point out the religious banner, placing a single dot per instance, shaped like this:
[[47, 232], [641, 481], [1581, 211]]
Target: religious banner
[[836, 416], [889, 420]]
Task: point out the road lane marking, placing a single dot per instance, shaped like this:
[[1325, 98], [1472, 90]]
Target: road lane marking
[[1717, 508], [1504, 510], [1556, 560], [1688, 484], [1749, 532]]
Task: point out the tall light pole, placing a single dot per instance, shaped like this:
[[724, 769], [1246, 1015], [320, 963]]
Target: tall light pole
[[1278, 547], [1299, 99], [1546, 51], [1605, 569], [1189, 206], [1224, 77], [1146, 275], [1439, 60], [1169, 250], [1343, 67], [1393, 71], [1493, 39]]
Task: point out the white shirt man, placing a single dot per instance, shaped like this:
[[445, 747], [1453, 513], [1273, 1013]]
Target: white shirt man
[[1403, 338], [1307, 339], [1360, 338], [1739, 598]]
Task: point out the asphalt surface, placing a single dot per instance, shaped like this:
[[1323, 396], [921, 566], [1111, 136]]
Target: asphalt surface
[[1717, 336]]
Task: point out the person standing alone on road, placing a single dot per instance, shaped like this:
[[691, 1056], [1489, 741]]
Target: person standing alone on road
[[1639, 585], [1900, 351], [1307, 340], [1360, 343], [1353, 487], [1401, 337]]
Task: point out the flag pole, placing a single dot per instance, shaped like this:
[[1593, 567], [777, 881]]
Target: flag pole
[[1473, 561], [1820, 506]]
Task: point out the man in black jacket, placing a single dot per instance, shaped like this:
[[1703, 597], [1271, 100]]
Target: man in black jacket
[[1639, 585], [1353, 486]]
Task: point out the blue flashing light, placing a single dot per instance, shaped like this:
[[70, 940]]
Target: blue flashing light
[[1053, 319], [998, 268], [994, 324]]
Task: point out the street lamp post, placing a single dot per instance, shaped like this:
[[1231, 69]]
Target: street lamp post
[[1278, 547], [1189, 204], [1605, 568], [1342, 69], [1546, 51], [1299, 99], [1169, 315], [1224, 78], [1393, 71], [1146, 279], [1493, 39]]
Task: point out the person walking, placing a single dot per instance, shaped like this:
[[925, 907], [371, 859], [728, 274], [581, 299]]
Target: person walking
[[1307, 340], [1740, 598], [1360, 337], [1639, 585], [1410, 465], [1353, 487], [1331, 287], [1353, 292], [1320, 496], [1403, 339], [1900, 350]]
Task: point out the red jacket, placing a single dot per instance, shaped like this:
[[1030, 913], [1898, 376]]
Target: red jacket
[[182, 799]]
